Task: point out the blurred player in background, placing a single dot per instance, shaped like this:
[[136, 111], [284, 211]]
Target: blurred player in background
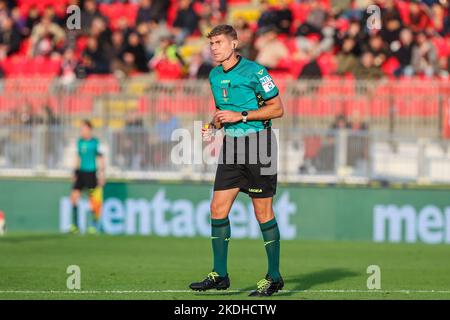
[[246, 99], [89, 175]]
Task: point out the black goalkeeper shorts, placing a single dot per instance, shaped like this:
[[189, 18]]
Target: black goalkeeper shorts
[[249, 163], [85, 180]]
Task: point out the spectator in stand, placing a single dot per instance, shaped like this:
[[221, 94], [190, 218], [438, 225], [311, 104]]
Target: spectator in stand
[[402, 50], [366, 69], [133, 151], [95, 60], [339, 6], [355, 33], [32, 20], [314, 22], [311, 70], [134, 53], [212, 14], [160, 9], [270, 49], [378, 50], [99, 29], [339, 30], [284, 17], [88, 14], [391, 31], [69, 69], [216, 9], [246, 38], [50, 12], [430, 3], [314, 34], [145, 12], [200, 65], [268, 17], [418, 19], [389, 12], [46, 37], [116, 53], [424, 56], [167, 57], [160, 141], [346, 58], [438, 16], [152, 10], [186, 21], [4, 10], [19, 21], [358, 154], [9, 37], [340, 123], [444, 67], [157, 31], [124, 27]]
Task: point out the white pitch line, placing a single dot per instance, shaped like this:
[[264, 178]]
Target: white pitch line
[[231, 291]]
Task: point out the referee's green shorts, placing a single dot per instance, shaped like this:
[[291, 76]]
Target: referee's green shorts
[[249, 163]]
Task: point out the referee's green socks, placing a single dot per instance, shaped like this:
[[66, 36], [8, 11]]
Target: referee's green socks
[[271, 236], [75, 215], [220, 236]]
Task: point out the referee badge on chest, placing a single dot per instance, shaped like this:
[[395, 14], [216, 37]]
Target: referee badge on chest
[[224, 92], [225, 86]]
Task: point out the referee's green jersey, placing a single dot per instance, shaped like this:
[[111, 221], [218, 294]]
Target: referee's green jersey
[[244, 87]]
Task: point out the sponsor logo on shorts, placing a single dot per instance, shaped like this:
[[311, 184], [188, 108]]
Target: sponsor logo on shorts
[[255, 190]]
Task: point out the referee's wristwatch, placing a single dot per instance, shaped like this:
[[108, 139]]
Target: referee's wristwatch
[[244, 116]]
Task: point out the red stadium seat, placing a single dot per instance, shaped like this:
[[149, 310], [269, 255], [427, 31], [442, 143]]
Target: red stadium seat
[[96, 85], [327, 63], [317, 106], [75, 104], [403, 8], [166, 70], [390, 65], [441, 45], [312, 146], [300, 11]]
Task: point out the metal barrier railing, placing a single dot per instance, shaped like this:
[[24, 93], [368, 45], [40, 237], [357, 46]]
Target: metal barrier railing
[[417, 108], [332, 129], [304, 154]]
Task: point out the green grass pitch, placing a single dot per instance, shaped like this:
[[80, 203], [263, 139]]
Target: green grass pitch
[[33, 266]]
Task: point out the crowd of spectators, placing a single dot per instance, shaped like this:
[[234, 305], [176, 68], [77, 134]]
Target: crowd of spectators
[[303, 38]]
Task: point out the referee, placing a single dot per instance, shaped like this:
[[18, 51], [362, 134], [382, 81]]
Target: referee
[[246, 99]]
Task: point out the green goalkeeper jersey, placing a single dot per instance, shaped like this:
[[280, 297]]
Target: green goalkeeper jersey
[[243, 87], [88, 150]]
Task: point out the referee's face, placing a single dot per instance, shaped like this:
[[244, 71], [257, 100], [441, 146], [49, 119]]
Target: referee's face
[[221, 47]]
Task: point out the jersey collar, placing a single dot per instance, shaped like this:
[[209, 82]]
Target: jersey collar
[[236, 64]]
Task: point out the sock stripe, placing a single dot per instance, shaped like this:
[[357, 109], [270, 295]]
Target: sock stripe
[[220, 225], [270, 228]]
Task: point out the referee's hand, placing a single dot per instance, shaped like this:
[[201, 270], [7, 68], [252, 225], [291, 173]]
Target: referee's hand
[[226, 116], [207, 132]]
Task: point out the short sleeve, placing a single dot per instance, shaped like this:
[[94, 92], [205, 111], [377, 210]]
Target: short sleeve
[[212, 89], [264, 84], [78, 146], [98, 150]]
